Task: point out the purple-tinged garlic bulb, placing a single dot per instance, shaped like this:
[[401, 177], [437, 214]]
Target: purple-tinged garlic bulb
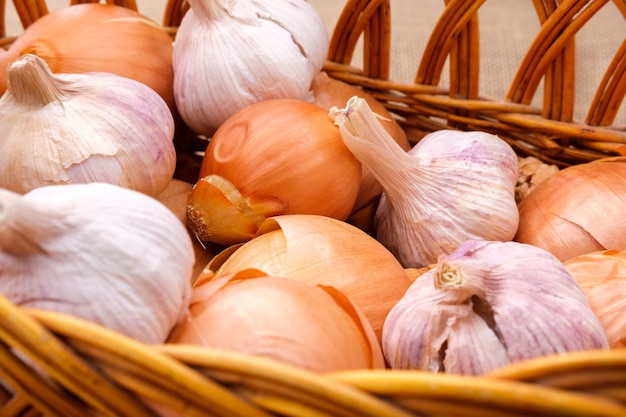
[[451, 187], [486, 305]]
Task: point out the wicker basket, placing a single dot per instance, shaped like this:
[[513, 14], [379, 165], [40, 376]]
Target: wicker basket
[[55, 365]]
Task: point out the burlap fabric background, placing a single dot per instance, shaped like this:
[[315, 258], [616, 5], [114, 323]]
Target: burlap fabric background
[[507, 29]]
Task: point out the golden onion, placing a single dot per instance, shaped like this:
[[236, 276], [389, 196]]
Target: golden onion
[[280, 156], [577, 210], [602, 277], [326, 251], [95, 37], [313, 327]]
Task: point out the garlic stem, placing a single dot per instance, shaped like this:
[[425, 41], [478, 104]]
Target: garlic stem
[[461, 281], [448, 276], [209, 9], [23, 227], [368, 140], [32, 83]]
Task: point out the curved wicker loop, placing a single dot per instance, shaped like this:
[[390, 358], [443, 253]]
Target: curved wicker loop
[[554, 40], [456, 34], [174, 12], [548, 133], [559, 75], [611, 92], [3, 30], [373, 20], [454, 19]]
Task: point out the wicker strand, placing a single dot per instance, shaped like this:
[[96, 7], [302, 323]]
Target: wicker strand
[[453, 21], [124, 353], [505, 395], [53, 357], [611, 92], [30, 10]]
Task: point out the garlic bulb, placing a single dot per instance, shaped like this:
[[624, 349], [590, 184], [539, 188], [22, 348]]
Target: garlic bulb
[[229, 54], [97, 251], [451, 187], [486, 305], [78, 128]]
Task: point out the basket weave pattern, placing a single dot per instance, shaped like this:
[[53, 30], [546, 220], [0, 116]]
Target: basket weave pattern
[[55, 365]]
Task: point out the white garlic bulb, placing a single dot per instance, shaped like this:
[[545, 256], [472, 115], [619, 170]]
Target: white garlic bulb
[[229, 54], [104, 253], [486, 305], [451, 187], [79, 128]]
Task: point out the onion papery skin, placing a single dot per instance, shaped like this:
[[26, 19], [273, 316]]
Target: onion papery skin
[[486, 305], [577, 210], [326, 251], [328, 93], [299, 323], [275, 157], [94, 37], [602, 276]]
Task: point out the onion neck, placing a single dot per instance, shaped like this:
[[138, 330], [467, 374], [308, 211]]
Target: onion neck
[[31, 82], [24, 228]]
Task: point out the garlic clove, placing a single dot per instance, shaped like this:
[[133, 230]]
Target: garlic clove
[[79, 128]]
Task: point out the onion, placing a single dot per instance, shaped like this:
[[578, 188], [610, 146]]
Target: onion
[[309, 326], [322, 250], [328, 93], [99, 37], [602, 276], [280, 156], [577, 210]]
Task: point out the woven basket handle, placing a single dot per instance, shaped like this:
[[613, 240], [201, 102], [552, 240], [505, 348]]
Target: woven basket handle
[[373, 20]]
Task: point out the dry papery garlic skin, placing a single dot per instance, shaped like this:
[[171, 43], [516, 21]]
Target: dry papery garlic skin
[[452, 186], [229, 54], [486, 305], [80, 128], [96, 251]]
